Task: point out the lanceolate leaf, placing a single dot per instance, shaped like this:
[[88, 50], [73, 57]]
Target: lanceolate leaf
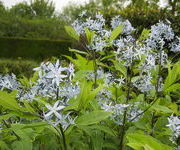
[[144, 35], [93, 117], [8, 101], [22, 145], [77, 51], [139, 141], [82, 63], [116, 32], [72, 33], [89, 35], [173, 77], [4, 146]]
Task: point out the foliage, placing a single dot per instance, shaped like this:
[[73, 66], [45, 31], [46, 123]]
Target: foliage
[[121, 92], [36, 49], [36, 28], [43, 8], [36, 9], [22, 10], [35, 20], [18, 67]]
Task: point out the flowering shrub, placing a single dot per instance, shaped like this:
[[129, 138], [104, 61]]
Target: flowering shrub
[[121, 92]]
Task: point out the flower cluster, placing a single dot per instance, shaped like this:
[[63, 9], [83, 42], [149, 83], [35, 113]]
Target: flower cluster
[[8, 82], [55, 116], [93, 24], [159, 32], [144, 83], [118, 110], [54, 83], [174, 125], [133, 110], [127, 27]]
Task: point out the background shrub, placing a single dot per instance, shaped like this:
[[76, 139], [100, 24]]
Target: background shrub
[[32, 48], [18, 67]]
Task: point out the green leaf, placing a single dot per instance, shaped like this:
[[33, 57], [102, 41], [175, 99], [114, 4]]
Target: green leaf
[[4, 146], [139, 141], [173, 87], [89, 35], [72, 33], [8, 101], [120, 67], [87, 93], [26, 115], [5, 117], [92, 117], [161, 109], [28, 107], [77, 51], [83, 95], [173, 76], [36, 124], [22, 145], [116, 32], [107, 56], [144, 34], [26, 132], [105, 129], [81, 63], [174, 108]]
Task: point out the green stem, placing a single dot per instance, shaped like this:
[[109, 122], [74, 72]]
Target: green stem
[[123, 128], [152, 124], [63, 137], [8, 126], [157, 91], [58, 136], [116, 94], [153, 102], [95, 69], [123, 131]]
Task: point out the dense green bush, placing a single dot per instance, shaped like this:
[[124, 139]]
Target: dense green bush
[[17, 66], [32, 49], [13, 26], [35, 20]]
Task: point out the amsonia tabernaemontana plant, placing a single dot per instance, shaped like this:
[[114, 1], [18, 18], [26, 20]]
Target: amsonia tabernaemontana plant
[[119, 92]]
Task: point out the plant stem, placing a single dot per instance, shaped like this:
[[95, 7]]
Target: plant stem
[[63, 137], [95, 69], [123, 128], [152, 124], [153, 102], [57, 94], [116, 94], [157, 91], [8, 126], [157, 88]]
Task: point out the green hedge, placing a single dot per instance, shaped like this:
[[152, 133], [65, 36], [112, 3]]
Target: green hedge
[[18, 67], [13, 26], [32, 49]]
